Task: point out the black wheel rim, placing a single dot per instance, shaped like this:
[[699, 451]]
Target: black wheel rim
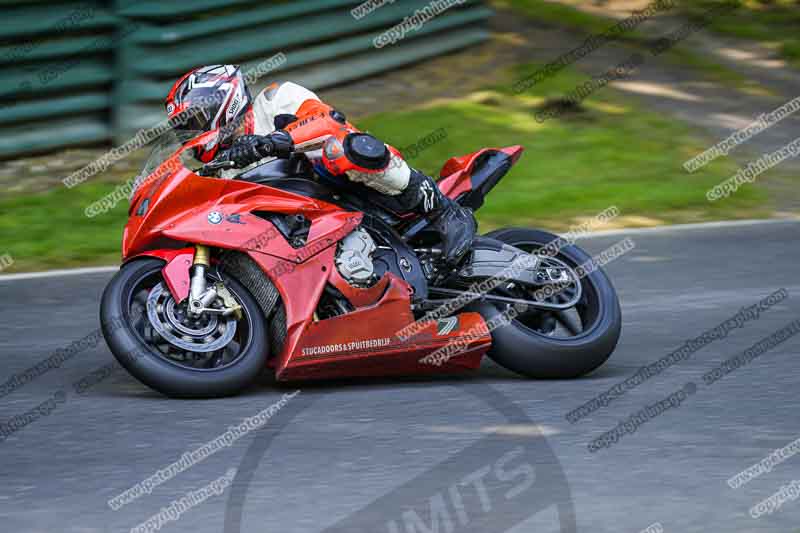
[[174, 317], [571, 324]]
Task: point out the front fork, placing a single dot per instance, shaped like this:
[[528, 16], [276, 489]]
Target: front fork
[[201, 296]]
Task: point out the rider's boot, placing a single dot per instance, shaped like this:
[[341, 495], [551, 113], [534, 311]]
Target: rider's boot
[[455, 224]]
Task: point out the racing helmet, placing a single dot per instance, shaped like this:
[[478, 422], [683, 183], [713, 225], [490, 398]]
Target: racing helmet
[[210, 98]]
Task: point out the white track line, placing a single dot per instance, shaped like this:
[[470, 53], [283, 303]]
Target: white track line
[[607, 233], [684, 227], [58, 273]]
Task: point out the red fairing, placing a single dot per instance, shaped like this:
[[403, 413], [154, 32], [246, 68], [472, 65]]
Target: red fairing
[[176, 210], [176, 270], [179, 209], [367, 339], [456, 172], [176, 275], [515, 152]]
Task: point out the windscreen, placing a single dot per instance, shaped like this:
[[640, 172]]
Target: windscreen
[[161, 149]]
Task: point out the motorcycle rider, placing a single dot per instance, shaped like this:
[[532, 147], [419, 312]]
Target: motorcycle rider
[[286, 116]]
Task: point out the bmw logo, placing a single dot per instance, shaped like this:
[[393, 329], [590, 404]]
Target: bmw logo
[[215, 217]]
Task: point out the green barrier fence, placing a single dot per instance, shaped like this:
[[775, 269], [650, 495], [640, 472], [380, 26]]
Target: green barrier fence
[[95, 72]]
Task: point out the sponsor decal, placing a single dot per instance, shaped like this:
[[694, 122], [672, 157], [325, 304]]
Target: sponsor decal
[[446, 326], [346, 347]]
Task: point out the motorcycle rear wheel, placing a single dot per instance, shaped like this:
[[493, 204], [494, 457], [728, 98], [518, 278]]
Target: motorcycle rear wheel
[[529, 344]]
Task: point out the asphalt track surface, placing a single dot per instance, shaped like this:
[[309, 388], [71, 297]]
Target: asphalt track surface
[[485, 452]]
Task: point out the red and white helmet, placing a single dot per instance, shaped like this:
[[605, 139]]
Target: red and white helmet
[[209, 98]]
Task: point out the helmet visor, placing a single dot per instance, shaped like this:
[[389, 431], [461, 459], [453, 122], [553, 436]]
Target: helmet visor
[[201, 110]]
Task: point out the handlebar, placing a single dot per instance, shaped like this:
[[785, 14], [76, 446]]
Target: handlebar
[[214, 166]]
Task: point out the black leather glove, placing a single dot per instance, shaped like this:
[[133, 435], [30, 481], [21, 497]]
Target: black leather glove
[[244, 150], [248, 149], [278, 144]]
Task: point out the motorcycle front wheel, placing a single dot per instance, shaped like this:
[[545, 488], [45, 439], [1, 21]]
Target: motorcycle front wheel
[[167, 349]]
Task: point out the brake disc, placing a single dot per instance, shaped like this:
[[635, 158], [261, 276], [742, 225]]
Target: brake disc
[[210, 333]]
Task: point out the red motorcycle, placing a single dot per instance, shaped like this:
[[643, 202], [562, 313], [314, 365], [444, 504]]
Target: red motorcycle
[[278, 269]]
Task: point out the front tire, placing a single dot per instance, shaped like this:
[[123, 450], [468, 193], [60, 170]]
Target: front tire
[[530, 348], [130, 336]]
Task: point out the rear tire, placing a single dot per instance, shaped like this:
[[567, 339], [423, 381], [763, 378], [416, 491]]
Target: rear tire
[[524, 350], [151, 367]]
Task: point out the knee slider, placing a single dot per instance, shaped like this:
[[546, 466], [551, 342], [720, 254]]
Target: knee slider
[[366, 151]]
